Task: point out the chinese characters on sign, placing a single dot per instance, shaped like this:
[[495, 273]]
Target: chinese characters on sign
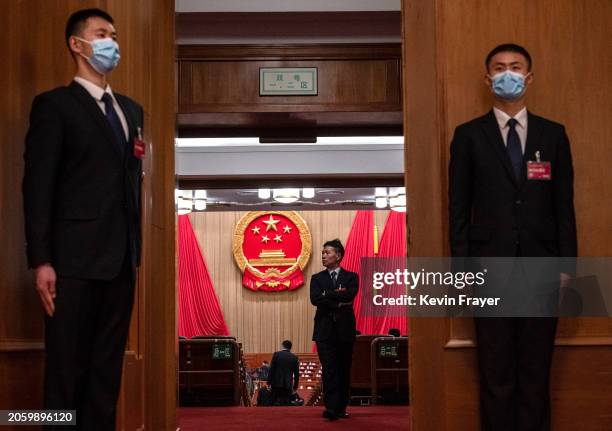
[[288, 82]]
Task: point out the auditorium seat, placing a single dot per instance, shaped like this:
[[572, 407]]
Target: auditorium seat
[[376, 377], [310, 378], [361, 376], [209, 371], [309, 369], [390, 370]]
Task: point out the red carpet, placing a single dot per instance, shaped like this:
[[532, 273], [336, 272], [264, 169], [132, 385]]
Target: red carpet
[[381, 418]]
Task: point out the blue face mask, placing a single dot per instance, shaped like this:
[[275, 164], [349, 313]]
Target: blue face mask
[[105, 56], [508, 85]]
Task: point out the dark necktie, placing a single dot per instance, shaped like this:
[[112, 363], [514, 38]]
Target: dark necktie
[[114, 122], [513, 145], [333, 277]]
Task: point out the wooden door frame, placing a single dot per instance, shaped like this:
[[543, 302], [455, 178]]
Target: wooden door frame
[[423, 104], [425, 164], [158, 271]]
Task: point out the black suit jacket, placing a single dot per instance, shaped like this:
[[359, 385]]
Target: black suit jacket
[[491, 212], [284, 370], [332, 322], [81, 196]]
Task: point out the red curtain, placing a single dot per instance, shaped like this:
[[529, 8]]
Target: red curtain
[[199, 309], [360, 243], [393, 244]]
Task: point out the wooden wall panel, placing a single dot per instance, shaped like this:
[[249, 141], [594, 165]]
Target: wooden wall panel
[[37, 60], [571, 79], [444, 45], [259, 320], [354, 85], [423, 164], [358, 78], [321, 27], [157, 314]]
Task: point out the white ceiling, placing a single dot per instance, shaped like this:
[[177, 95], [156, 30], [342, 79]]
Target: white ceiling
[[286, 5]]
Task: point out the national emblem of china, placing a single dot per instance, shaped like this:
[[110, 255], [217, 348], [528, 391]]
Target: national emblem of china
[[271, 249]]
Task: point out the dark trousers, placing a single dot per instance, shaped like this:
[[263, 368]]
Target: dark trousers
[[280, 396], [514, 359], [84, 346], [336, 359]]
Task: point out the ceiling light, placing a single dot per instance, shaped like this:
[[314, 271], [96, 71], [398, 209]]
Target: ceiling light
[[199, 204], [200, 194], [381, 202], [398, 203], [308, 193], [184, 206], [286, 196], [397, 191], [263, 193], [380, 191]]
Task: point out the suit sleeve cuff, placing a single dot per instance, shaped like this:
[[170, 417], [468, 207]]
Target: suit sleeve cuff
[[36, 260]]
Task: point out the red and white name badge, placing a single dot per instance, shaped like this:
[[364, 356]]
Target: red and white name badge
[[139, 145], [539, 170]]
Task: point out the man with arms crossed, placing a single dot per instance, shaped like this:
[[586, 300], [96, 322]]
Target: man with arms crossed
[[500, 207], [81, 192], [332, 291]]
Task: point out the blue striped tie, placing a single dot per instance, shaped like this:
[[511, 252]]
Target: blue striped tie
[[513, 145]]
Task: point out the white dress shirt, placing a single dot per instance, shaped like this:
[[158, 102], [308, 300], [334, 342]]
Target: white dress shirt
[[97, 93], [521, 127]]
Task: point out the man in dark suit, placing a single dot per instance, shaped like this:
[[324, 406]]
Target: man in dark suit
[[284, 374], [501, 206], [81, 192], [332, 291]]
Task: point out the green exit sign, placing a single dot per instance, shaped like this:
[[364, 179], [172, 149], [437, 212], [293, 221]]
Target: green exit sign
[[282, 81]]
